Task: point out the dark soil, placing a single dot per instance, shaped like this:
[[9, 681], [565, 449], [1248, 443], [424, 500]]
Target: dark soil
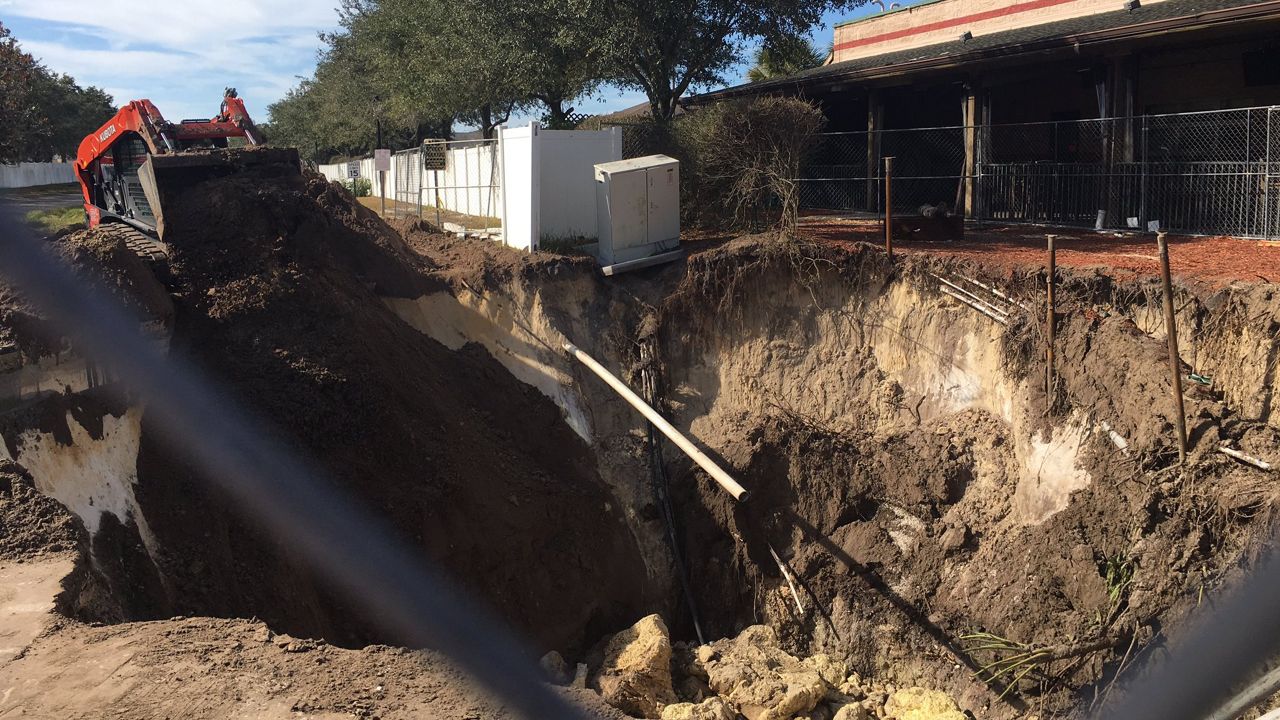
[[31, 524], [278, 284]]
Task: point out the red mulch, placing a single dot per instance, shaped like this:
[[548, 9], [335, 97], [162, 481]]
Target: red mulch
[[1215, 261]]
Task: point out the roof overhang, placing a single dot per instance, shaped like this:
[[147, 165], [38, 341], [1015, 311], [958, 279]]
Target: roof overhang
[[822, 78]]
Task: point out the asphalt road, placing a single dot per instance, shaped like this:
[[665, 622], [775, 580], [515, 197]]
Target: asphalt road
[[44, 197]]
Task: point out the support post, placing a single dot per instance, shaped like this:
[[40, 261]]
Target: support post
[[969, 182], [875, 118], [888, 206], [707, 464], [1175, 362], [1051, 321]]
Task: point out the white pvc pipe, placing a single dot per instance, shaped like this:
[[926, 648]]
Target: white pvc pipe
[[738, 492], [952, 293]]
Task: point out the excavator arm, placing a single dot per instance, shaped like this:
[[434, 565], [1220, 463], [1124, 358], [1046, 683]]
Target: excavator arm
[[127, 167]]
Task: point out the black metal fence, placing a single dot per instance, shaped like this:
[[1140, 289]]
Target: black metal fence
[[1212, 172]]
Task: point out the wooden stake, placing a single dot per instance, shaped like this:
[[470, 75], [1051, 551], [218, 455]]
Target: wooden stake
[[888, 206], [1051, 309], [1175, 363]]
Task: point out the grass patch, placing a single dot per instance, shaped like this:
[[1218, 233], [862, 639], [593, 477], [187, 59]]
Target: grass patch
[[53, 220]]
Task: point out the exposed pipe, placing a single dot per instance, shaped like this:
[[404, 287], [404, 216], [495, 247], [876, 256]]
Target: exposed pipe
[[1004, 313], [786, 574], [738, 492], [1249, 459], [996, 292], [952, 293]]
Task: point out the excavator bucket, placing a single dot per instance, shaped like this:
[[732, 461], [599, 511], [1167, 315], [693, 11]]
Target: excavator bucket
[[165, 178]]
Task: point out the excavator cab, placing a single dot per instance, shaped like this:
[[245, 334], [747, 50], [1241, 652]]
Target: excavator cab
[[135, 163]]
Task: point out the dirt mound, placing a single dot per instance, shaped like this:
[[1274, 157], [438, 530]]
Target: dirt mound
[[203, 669], [31, 524], [279, 286]]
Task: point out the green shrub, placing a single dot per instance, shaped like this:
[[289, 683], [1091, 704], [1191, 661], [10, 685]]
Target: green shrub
[[747, 155], [739, 160], [362, 187]]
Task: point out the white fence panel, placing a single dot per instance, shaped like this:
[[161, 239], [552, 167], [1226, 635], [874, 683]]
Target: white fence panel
[[539, 183], [566, 170], [32, 174], [519, 162]]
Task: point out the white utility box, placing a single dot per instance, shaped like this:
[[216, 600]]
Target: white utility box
[[638, 212]]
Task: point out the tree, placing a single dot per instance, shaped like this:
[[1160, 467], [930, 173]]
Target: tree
[[784, 56], [437, 58], [70, 113], [556, 64], [46, 115], [666, 47], [17, 98]]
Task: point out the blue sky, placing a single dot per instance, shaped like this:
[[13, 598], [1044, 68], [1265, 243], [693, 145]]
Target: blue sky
[[181, 54]]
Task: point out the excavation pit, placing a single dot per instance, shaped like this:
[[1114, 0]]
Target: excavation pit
[[915, 488]]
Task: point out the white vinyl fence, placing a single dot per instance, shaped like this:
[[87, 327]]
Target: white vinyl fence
[[31, 174], [539, 183]]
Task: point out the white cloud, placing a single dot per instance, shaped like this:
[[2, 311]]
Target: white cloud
[[183, 25], [178, 54]]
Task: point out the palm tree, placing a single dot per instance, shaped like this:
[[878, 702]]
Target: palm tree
[[779, 57]]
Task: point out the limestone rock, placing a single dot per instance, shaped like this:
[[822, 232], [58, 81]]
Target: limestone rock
[[636, 674], [920, 704], [555, 669], [954, 538], [833, 672], [760, 679], [852, 711], [714, 708]]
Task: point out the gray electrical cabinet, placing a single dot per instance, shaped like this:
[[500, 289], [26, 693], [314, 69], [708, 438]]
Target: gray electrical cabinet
[[638, 210]]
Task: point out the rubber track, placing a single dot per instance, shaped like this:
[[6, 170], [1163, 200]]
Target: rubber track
[[139, 243]]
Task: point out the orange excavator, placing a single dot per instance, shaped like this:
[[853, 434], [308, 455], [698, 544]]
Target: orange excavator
[[137, 160]]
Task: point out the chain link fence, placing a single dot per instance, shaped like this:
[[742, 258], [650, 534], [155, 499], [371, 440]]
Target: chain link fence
[[455, 184], [1212, 172]]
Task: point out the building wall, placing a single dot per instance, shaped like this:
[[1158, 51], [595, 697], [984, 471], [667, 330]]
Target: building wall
[[943, 20]]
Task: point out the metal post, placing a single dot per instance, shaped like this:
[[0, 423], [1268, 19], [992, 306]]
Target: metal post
[[435, 182], [382, 174], [418, 170], [1175, 362], [1267, 184], [1144, 164], [1050, 322], [888, 206]]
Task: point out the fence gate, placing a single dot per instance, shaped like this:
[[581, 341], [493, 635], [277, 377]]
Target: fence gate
[[454, 184]]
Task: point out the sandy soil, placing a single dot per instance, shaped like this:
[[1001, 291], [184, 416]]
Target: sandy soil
[[212, 668]]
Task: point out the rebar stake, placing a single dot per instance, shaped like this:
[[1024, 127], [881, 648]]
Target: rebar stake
[[1051, 309], [1175, 363], [888, 206]]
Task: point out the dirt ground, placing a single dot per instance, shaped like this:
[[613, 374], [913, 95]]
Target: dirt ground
[[205, 668], [1212, 261]]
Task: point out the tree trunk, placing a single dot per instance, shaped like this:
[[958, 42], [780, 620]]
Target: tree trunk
[[486, 121]]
